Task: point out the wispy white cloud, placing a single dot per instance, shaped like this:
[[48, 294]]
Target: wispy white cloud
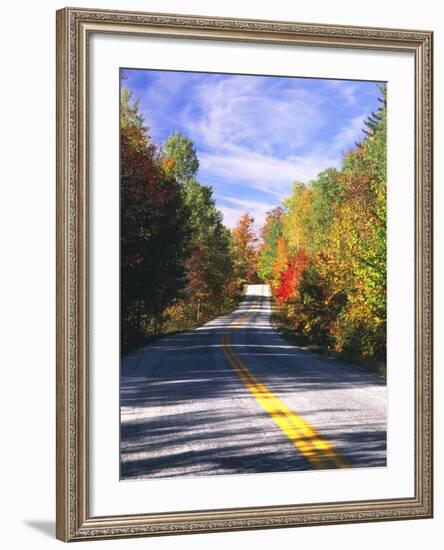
[[231, 215], [233, 208], [253, 113], [349, 91], [263, 134], [255, 135], [158, 98], [348, 135], [236, 207], [265, 173]]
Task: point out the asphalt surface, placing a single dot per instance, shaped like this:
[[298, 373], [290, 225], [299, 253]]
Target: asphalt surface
[[234, 397]]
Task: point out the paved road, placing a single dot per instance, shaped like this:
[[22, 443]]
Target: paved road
[[233, 397]]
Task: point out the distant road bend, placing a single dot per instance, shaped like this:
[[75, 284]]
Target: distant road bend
[[234, 397]]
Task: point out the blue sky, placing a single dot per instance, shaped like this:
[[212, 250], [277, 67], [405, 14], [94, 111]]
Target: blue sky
[[254, 135]]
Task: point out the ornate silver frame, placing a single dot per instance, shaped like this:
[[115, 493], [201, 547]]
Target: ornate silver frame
[[74, 521]]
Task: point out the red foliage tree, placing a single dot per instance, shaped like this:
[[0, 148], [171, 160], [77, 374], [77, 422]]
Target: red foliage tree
[[291, 278]]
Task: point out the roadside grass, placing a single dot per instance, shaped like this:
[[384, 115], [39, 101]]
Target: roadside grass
[[169, 327], [368, 364]]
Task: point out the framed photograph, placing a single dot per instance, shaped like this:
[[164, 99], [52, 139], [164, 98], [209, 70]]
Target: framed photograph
[[244, 274]]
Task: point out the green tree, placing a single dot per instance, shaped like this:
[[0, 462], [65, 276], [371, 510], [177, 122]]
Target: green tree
[[182, 151], [270, 234], [210, 264], [327, 197], [129, 112]]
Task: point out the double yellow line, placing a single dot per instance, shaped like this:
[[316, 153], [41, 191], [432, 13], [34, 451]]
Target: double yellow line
[[318, 451]]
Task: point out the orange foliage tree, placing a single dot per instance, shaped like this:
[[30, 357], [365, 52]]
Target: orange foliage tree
[[245, 241]]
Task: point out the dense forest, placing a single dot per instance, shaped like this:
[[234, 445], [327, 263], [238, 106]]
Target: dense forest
[[322, 251]]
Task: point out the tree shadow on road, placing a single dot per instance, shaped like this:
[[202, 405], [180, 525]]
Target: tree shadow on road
[[184, 408]]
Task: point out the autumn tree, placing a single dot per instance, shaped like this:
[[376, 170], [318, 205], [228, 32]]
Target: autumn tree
[[291, 276], [245, 240], [280, 261], [154, 236], [296, 229]]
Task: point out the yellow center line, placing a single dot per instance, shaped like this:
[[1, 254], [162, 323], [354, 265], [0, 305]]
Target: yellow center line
[[320, 452]]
